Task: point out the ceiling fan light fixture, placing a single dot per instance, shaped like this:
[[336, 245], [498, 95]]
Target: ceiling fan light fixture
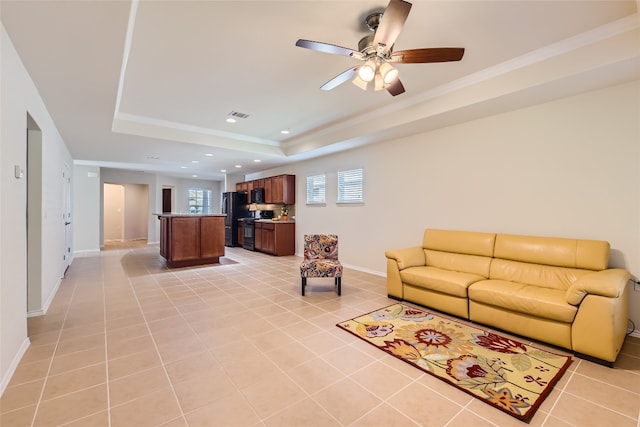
[[360, 83], [367, 71], [388, 73]]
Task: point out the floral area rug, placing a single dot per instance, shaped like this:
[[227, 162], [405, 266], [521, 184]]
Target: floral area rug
[[500, 371]]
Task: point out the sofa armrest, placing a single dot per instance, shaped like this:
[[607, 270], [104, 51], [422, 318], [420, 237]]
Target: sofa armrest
[[407, 257], [609, 283]]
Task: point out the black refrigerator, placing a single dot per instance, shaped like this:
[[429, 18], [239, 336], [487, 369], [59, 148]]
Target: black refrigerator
[[234, 205]]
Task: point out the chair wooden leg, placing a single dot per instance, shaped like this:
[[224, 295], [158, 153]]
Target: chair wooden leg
[[339, 283], [304, 283]]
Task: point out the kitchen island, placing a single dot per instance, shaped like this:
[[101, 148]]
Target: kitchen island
[[187, 239]]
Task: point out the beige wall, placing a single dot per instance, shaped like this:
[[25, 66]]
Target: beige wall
[[566, 168]]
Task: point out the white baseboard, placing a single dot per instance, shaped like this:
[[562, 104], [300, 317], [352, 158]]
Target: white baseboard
[[6, 378], [635, 333]]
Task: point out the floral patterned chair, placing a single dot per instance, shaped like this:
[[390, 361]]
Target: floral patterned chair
[[321, 259]]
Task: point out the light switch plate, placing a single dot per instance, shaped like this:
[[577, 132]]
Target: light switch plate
[[18, 172]]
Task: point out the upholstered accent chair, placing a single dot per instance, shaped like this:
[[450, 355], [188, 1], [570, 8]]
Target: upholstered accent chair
[[321, 259]]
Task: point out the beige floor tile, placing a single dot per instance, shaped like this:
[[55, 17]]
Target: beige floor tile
[[72, 381], [73, 345], [191, 366], [80, 359], [384, 415], [21, 395], [232, 409], [36, 353], [346, 401], [149, 410], [18, 418], [139, 384], [72, 406], [272, 392], [291, 355], [314, 375], [380, 379], [411, 401], [100, 419], [614, 398], [581, 412], [131, 346], [246, 372], [304, 413], [27, 372], [133, 363], [200, 391]]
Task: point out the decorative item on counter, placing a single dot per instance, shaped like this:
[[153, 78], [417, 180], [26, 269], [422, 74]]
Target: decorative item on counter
[[284, 212]]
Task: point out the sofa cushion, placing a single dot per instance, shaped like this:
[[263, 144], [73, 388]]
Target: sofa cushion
[[561, 252], [536, 301], [436, 279], [462, 242], [458, 262], [546, 276]]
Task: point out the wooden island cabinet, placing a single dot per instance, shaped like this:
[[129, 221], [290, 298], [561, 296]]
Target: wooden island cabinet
[[187, 240], [275, 237]]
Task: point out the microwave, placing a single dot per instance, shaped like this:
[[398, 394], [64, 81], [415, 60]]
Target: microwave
[[257, 195]]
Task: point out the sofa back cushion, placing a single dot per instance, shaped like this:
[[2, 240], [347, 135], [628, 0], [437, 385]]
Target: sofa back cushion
[[458, 262], [553, 251], [465, 251], [545, 276], [459, 242]]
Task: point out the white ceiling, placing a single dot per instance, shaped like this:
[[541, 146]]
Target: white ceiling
[[148, 85]]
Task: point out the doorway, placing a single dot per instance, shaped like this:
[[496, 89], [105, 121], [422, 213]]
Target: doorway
[[34, 218], [113, 213], [167, 199]]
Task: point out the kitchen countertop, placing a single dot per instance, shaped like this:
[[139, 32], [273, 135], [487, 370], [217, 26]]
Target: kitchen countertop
[[289, 221]]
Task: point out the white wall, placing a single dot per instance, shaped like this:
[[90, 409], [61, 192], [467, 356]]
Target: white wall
[[136, 217], [86, 209], [113, 212], [567, 168], [19, 96]]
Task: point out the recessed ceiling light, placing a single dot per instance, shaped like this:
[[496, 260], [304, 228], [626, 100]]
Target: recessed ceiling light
[[238, 166], [230, 120], [257, 160], [209, 155], [195, 161], [285, 131], [183, 167], [194, 176], [223, 170], [153, 157]]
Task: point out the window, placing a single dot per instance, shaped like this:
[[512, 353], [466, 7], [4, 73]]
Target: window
[[316, 185], [199, 201], [350, 186]]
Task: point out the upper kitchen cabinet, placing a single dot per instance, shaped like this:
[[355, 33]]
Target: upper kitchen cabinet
[[279, 189], [283, 189]]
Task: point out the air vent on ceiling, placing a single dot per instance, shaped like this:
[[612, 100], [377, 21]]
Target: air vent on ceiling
[[238, 115]]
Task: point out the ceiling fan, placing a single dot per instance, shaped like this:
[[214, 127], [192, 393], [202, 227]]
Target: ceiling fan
[[376, 50]]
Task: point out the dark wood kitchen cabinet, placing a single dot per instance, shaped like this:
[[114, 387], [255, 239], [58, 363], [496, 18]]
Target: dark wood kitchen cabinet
[[275, 237], [280, 189]]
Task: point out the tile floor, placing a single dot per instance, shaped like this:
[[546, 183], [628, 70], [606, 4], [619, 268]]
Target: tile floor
[[128, 342]]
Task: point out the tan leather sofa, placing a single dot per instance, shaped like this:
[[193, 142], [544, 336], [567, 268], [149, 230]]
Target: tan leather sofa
[[555, 290]]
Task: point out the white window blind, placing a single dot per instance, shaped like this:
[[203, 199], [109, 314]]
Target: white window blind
[[199, 201], [351, 186], [316, 189]]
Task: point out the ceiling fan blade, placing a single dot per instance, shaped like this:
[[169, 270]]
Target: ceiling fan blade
[[395, 88], [391, 24], [341, 78], [438, 54], [329, 48]]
